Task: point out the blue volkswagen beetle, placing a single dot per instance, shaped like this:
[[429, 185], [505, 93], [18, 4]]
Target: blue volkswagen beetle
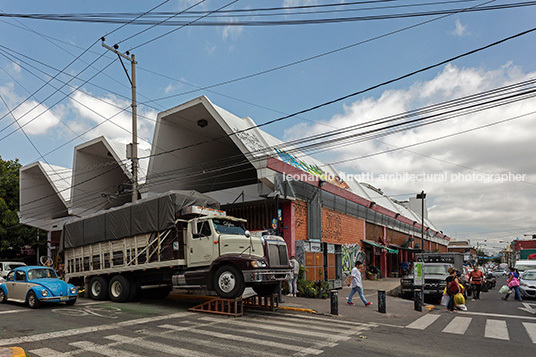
[[36, 284]]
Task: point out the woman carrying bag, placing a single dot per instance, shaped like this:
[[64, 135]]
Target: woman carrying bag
[[453, 287], [513, 283]]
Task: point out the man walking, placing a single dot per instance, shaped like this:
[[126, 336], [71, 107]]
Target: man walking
[[293, 281], [476, 277], [356, 284]]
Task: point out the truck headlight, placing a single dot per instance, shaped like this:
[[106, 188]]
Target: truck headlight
[[44, 292], [73, 291], [258, 264]]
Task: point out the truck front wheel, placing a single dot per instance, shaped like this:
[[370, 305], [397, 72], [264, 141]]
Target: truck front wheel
[[228, 282], [98, 288]]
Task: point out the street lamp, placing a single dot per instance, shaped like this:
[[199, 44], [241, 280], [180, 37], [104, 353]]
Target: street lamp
[[421, 196]]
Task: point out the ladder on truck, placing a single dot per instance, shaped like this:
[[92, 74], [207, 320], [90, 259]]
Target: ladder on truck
[[235, 307]]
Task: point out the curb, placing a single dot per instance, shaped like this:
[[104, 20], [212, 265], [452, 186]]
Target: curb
[[298, 309]]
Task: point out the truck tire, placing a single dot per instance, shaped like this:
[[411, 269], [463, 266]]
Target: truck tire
[[134, 289], [98, 288], [228, 282], [265, 289], [119, 288]]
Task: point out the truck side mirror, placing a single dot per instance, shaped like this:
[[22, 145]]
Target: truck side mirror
[[247, 234], [193, 227]]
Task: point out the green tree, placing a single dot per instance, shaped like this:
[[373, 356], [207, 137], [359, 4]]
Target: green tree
[[13, 235]]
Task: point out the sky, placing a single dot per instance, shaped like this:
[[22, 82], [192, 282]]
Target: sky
[[476, 167]]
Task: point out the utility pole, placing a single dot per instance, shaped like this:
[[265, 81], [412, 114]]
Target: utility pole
[[421, 196], [132, 149]]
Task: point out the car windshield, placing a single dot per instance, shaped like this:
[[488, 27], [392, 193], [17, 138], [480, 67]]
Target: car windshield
[[227, 226], [436, 269], [41, 274], [530, 275]]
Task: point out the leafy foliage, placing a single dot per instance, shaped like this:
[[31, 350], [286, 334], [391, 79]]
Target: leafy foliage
[[13, 235]]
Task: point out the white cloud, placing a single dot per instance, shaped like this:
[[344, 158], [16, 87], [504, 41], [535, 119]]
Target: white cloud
[[232, 32], [91, 111], [291, 3], [460, 30], [35, 118], [469, 199]]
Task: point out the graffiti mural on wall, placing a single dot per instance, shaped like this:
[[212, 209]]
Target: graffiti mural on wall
[[332, 231], [350, 254]]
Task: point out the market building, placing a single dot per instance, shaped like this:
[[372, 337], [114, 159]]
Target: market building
[[328, 221]]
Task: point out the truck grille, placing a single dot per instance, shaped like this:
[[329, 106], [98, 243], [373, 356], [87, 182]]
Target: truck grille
[[277, 253]]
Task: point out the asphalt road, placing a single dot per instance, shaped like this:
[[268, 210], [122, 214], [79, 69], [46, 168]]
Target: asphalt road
[[490, 327]]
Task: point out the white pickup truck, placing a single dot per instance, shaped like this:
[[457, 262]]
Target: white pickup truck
[[176, 239]]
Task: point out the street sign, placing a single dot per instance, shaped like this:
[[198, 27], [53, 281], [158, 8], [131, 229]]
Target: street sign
[[418, 274]]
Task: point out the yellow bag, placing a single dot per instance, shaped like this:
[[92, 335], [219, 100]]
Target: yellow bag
[[459, 299]]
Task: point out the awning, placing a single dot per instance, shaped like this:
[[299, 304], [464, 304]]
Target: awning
[[400, 247], [377, 245]]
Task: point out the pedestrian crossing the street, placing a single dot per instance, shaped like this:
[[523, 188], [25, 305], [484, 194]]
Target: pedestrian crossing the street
[[210, 336], [494, 328]]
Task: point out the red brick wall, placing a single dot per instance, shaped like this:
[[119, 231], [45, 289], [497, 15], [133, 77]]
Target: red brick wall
[[300, 215], [340, 228]]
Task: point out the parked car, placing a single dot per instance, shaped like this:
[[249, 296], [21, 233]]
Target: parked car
[[36, 284], [527, 283], [6, 267], [499, 273]]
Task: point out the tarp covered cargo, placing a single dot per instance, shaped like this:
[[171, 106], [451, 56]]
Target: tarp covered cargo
[[151, 214]]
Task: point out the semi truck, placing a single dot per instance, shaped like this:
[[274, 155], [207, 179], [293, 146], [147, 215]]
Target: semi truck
[[435, 270], [178, 239]]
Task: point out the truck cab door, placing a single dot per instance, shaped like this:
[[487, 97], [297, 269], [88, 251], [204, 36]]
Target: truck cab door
[[200, 245]]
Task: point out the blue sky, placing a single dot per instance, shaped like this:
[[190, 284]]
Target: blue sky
[[200, 56]]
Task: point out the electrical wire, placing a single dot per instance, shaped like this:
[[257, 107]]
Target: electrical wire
[[327, 20]]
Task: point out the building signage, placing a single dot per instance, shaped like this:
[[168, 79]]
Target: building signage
[[331, 248], [418, 274], [316, 247], [311, 169]]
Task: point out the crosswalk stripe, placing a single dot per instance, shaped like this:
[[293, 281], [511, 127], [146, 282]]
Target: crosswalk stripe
[[248, 350], [47, 352], [332, 320], [496, 329], [244, 339], [160, 347], [278, 327], [91, 329], [458, 325], [301, 319], [531, 330], [104, 350], [423, 322]]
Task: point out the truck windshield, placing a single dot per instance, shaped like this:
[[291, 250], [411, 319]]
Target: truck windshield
[[226, 226], [436, 269]]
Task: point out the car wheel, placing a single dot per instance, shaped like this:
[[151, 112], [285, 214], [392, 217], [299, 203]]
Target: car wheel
[[70, 302], [98, 288], [228, 282], [119, 288], [33, 301], [3, 296]]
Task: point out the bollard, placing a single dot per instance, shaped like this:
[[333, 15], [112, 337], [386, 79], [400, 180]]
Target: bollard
[[279, 295], [381, 301], [334, 299], [418, 300]]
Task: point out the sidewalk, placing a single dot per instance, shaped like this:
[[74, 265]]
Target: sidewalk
[[398, 311]]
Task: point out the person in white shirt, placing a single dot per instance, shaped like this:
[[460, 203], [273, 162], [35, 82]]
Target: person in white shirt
[[293, 281], [356, 284]]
